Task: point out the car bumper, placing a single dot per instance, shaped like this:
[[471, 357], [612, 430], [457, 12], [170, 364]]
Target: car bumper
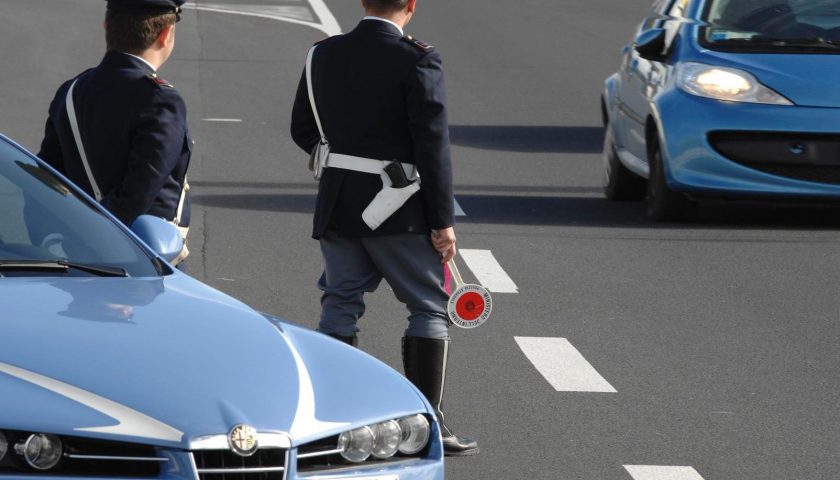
[[180, 465], [423, 469], [708, 147]]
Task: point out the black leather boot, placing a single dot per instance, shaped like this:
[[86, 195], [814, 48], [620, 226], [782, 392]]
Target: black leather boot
[[424, 360], [352, 341]]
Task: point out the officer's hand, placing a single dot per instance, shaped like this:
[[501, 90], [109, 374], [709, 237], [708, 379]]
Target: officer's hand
[[443, 241]]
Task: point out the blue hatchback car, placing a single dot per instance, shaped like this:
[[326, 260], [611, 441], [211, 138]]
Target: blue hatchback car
[[727, 99], [115, 365]]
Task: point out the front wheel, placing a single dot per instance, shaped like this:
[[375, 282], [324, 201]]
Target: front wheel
[[619, 182], [664, 204]]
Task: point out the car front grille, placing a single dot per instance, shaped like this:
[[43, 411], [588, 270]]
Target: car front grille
[[265, 464], [89, 458], [803, 156]]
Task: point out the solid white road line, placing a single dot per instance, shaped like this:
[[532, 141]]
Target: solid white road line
[[656, 472], [231, 120], [488, 271], [328, 22], [300, 15], [562, 365]]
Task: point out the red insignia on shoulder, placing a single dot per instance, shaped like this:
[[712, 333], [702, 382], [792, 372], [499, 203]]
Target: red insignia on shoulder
[[419, 44], [159, 81]]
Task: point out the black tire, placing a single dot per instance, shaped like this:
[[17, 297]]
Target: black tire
[[664, 204], [619, 182]]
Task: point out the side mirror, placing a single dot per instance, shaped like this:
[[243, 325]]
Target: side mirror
[[160, 235], [651, 44]]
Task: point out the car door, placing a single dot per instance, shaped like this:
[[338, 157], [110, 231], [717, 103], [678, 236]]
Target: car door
[[640, 77]]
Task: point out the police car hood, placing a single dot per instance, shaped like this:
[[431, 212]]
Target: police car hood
[[168, 360]]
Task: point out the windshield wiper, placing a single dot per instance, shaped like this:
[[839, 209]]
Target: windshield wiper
[[805, 42], [62, 266]]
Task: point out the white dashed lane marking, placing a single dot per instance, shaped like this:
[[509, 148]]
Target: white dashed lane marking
[[656, 472], [487, 270], [562, 365], [228, 120]]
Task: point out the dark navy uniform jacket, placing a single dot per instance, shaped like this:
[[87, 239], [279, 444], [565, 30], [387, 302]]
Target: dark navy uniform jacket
[[379, 95], [134, 130]]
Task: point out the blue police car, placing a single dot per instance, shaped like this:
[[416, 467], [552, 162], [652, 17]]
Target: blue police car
[[728, 99], [115, 365]]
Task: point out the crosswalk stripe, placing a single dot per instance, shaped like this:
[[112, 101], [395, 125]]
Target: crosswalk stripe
[[657, 472], [487, 270], [562, 365], [459, 212]]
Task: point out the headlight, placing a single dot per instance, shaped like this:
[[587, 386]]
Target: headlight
[[722, 83], [41, 451], [356, 445], [387, 436], [4, 446], [415, 433], [407, 435]]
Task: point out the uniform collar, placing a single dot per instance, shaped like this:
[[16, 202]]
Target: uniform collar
[[371, 17], [142, 60], [377, 24], [120, 59]]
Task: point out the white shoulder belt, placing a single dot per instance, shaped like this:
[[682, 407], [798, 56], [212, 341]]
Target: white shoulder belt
[[97, 193]]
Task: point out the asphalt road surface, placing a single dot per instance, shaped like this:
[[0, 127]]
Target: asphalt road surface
[[617, 349]]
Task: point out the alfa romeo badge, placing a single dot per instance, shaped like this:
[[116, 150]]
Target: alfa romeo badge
[[243, 440]]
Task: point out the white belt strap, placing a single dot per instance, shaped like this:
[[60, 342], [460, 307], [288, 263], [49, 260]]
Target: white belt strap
[[74, 125], [367, 165], [312, 93], [184, 189]]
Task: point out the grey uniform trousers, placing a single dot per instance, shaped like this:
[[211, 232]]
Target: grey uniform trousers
[[410, 265]]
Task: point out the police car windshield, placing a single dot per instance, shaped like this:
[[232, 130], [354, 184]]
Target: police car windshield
[[783, 26], [43, 220]]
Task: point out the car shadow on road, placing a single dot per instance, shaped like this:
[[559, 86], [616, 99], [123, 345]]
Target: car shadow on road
[[263, 202], [567, 206], [533, 139]]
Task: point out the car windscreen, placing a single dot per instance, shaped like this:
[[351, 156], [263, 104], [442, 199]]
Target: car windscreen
[[772, 26], [43, 220]]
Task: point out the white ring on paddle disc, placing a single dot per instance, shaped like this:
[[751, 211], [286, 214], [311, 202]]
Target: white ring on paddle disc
[[469, 306]]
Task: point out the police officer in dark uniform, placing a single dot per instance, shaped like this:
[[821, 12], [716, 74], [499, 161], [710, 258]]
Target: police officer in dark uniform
[[132, 124], [380, 97]]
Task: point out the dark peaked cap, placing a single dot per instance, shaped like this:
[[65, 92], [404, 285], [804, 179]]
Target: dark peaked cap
[[147, 6]]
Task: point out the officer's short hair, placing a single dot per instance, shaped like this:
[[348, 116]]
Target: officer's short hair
[[385, 6], [133, 32]]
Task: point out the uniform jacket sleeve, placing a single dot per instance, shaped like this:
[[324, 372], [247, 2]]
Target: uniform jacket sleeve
[[304, 129], [157, 142], [50, 147], [428, 123]]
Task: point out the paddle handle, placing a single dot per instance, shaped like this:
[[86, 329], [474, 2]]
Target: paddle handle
[[456, 275]]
